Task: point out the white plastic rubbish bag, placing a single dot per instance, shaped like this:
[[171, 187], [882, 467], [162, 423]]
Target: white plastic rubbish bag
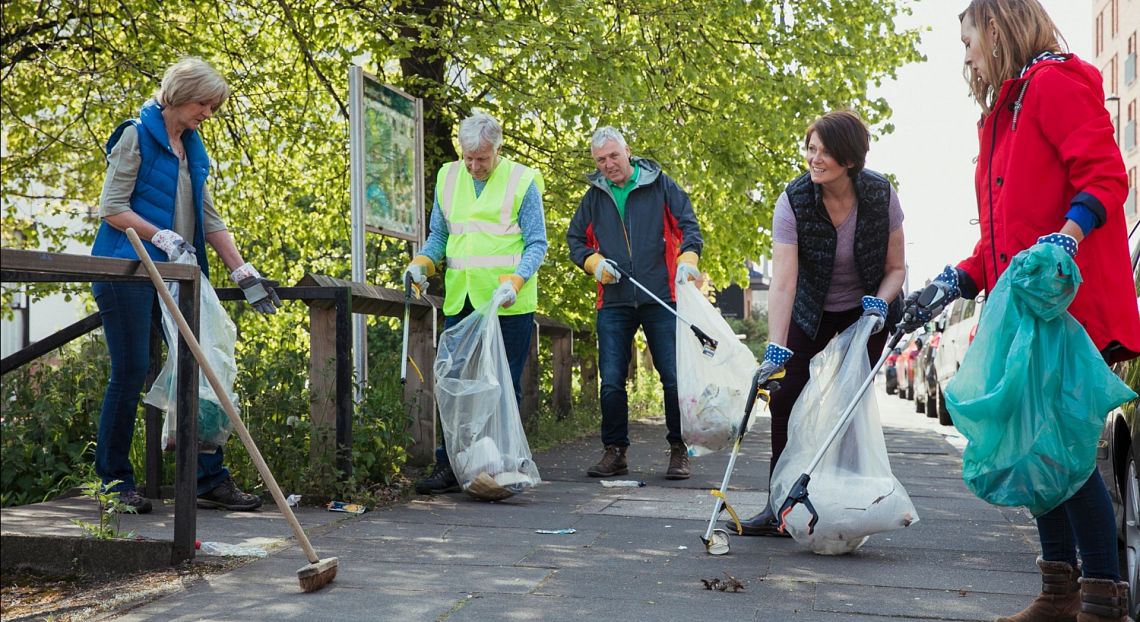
[[712, 390], [852, 488], [217, 336], [476, 397]]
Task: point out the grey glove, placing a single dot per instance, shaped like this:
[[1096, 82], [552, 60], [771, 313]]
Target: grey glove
[[258, 292], [171, 243]]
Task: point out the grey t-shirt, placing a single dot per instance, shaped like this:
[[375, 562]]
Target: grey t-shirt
[[122, 170], [846, 290]]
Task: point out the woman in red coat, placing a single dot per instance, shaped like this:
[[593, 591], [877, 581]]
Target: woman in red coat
[[1049, 171]]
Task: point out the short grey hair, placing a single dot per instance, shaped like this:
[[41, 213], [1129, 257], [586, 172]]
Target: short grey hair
[[604, 135], [480, 129], [192, 80]]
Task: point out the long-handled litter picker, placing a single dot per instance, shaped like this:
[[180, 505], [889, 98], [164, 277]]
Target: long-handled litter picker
[[318, 572], [716, 540], [708, 344], [799, 492], [404, 358]]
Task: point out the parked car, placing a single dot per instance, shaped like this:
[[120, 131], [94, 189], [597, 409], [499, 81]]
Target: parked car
[[957, 335], [1116, 459], [892, 378], [905, 366], [926, 379]]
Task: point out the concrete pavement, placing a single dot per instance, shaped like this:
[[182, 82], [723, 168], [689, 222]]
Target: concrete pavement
[[636, 554]]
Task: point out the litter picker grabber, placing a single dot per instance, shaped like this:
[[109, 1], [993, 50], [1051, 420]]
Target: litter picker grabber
[[799, 492], [708, 344], [318, 572], [716, 540], [404, 358]]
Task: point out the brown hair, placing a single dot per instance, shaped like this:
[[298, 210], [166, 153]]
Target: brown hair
[[1023, 29], [845, 136]]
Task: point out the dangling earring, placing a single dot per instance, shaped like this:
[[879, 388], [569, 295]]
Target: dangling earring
[[995, 51]]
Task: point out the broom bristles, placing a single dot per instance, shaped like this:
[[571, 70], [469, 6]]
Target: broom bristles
[[315, 576]]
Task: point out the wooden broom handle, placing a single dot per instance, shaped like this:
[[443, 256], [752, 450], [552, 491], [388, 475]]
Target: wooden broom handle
[[223, 397]]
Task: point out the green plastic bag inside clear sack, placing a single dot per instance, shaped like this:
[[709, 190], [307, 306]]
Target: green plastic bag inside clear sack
[[1033, 390]]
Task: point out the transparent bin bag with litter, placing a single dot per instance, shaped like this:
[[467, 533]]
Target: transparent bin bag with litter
[[852, 487], [1032, 392], [473, 389], [712, 390], [217, 336]]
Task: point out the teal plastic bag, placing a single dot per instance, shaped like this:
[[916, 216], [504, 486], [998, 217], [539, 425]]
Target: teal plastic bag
[[1033, 390]]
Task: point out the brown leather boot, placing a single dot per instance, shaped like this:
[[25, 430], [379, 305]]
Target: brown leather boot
[[1059, 600], [678, 462], [612, 463], [1103, 600]]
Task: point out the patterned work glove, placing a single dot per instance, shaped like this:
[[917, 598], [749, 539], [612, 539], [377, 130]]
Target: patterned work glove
[[775, 356], [1066, 242], [876, 308], [171, 243], [921, 306], [258, 292]]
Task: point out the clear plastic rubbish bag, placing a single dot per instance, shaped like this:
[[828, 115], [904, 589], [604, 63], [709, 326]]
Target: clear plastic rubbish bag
[[485, 440], [712, 390], [217, 336], [1032, 392], [852, 488]]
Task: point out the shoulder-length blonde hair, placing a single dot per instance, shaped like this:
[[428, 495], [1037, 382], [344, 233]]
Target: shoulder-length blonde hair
[[1023, 30], [192, 80]]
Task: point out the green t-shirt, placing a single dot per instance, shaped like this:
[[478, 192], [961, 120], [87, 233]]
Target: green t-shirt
[[621, 193]]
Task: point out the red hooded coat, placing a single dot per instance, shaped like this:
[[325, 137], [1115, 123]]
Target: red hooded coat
[[1048, 140]]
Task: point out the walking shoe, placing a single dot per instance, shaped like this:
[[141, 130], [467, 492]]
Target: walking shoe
[[132, 499], [678, 462], [763, 524], [227, 496], [612, 463], [442, 480]]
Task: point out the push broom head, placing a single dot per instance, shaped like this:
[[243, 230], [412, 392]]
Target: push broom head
[[317, 575]]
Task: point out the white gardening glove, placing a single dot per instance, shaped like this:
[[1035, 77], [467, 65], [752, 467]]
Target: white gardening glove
[[258, 292], [171, 243]]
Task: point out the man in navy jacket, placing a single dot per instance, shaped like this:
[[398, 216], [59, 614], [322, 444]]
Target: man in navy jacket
[[636, 216]]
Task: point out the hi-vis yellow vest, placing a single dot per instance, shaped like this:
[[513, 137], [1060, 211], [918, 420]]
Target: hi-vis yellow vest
[[484, 239]]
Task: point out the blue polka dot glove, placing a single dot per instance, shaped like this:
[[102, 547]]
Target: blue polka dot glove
[[923, 305], [1067, 242], [876, 308], [772, 367]]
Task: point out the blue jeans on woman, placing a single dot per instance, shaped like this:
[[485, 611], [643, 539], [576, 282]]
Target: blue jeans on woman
[[616, 328], [1084, 521], [517, 331], [129, 310]]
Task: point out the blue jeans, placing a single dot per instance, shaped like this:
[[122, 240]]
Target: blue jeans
[[1083, 521], [616, 329], [129, 310], [517, 331]]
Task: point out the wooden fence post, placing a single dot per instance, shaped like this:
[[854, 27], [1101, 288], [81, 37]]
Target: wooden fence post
[[419, 397], [322, 382], [529, 406], [561, 344]]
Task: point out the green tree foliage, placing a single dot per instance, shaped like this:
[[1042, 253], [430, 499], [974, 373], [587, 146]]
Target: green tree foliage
[[718, 91]]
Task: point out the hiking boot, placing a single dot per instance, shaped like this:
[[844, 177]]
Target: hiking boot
[[1103, 600], [132, 499], [763, 524], [1059, 600], [612, 463], [227, 496], [442, 480], [678, 462]]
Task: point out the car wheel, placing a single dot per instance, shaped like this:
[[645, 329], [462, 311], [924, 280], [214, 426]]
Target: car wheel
[[932, 403], [943, 414], [920, 405], [1132, 535]]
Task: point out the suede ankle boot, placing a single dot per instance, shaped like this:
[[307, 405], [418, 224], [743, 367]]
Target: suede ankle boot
[[1059, 600], [1103, 600]]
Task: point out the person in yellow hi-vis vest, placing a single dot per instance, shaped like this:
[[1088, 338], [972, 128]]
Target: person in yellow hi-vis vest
[[487, 223]]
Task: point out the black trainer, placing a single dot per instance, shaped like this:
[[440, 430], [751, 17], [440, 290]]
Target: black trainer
[[132, 499], [442, 480], [227, 496], [763, 524]]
